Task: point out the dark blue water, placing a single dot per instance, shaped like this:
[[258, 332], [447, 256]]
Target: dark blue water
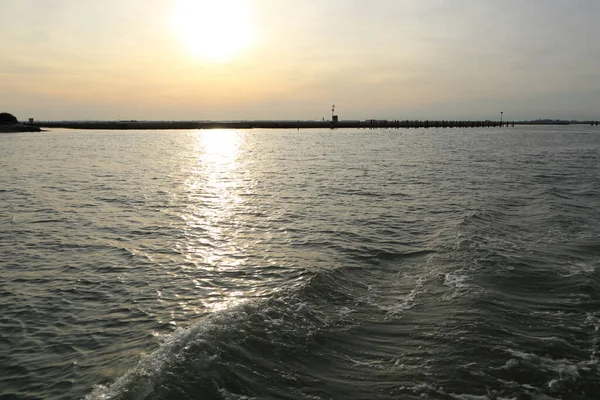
[[342, 264]]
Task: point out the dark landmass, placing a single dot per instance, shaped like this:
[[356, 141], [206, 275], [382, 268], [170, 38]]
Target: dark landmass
[[9, 124], [272, 124], [125, 125], [12, 128]]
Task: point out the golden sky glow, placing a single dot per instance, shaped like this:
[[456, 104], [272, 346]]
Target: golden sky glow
[[273, 59]]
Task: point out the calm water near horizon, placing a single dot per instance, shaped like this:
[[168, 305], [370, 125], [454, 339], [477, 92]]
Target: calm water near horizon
[[284, 264]]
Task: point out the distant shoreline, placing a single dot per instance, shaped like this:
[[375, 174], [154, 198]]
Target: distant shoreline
[[143, 125], [16, 128]]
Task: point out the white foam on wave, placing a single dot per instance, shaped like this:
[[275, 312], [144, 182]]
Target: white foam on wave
[[532, 393], [456, 280], [345, 311], [459, 282], [406, 302], [580, 268], [564, 372], [372, 364], [232, 396], [470, 397], [594, 321], [140, 381], [301, 308], [425, 390]]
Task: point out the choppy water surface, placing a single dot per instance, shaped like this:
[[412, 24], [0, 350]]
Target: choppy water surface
[[442, 264]]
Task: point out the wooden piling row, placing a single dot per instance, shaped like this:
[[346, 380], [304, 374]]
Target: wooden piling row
[[436, 124]]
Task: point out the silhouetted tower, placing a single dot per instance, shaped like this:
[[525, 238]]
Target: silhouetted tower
[[501, 115], [334, 118]]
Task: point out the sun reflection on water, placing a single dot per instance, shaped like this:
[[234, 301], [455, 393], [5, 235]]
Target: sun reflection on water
[[210, 243], [218, 147]]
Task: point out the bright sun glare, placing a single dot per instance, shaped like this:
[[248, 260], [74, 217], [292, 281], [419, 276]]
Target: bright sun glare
[[214, 29]]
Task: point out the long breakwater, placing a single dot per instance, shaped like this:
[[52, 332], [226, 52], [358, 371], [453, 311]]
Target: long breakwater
[[372, 123]]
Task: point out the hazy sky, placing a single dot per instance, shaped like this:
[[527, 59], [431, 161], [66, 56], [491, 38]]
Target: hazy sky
[[293, 59]]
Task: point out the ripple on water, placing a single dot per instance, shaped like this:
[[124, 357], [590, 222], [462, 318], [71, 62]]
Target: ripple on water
[[276, 264]]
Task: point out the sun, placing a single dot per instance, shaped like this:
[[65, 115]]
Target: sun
[[214, 29]]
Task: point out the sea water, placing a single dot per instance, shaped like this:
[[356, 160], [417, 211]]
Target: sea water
[[311, 264]]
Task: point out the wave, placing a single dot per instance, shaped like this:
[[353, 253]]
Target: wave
[[261, 347]]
